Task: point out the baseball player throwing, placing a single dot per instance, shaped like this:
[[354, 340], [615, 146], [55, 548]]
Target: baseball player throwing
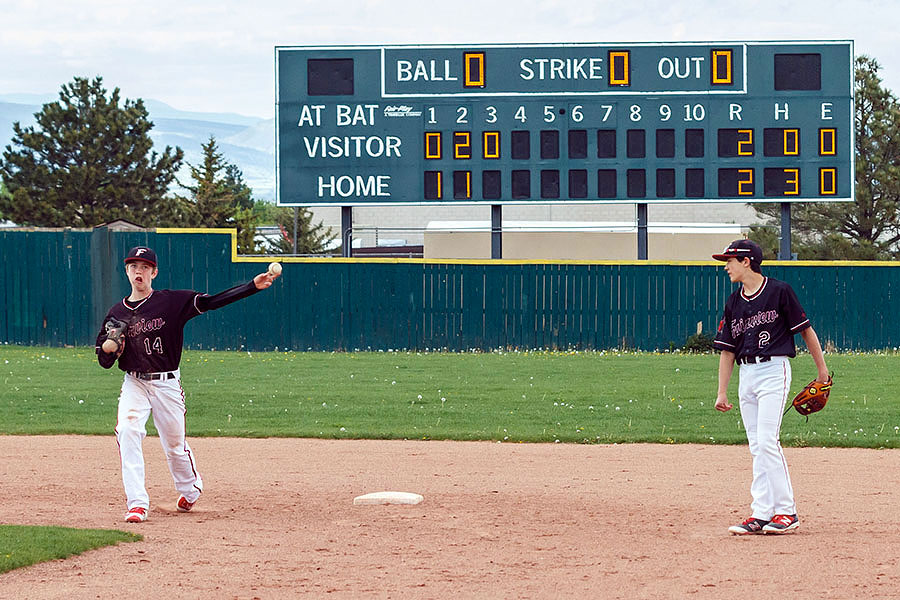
[[757, 331], [150, 353]]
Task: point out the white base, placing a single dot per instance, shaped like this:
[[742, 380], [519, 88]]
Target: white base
[[388, 498]]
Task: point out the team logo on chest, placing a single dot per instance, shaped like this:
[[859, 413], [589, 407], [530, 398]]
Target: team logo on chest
[[145, 325], [763, 317]]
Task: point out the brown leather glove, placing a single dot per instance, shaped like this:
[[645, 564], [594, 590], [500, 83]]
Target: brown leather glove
[[813, 397]]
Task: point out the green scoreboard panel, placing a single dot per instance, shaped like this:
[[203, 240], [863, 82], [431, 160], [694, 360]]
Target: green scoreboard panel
[[565, 123]]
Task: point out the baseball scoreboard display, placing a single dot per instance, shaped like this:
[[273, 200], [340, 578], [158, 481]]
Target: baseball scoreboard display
[[565, 123]]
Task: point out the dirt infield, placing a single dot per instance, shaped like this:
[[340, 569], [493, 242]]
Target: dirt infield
[[499, 521]]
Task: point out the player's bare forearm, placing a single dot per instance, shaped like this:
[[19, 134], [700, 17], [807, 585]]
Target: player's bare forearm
[[726, 367], [815, 350]]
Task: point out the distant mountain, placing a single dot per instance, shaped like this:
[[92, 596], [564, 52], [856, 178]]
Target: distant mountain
[[247, 142], [159, 110]]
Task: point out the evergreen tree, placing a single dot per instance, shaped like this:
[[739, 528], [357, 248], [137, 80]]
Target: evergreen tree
[[244, 217], [221, 198], [234, 181], [88, 160], [4, 196], [869, 227], [213, 200]]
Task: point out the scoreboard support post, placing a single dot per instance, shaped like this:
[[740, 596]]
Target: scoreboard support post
[[346, 231], [784, 252], [642, 231], [496, 231]]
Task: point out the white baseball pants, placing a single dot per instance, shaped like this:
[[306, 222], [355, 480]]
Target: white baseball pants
[[763, 391], [165, 399]]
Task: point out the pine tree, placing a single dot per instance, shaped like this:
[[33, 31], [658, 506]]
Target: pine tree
[[221, 198], [4, 196], [88, 160], [213, 200]]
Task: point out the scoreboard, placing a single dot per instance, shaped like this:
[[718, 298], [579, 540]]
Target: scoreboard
[[565, 123]]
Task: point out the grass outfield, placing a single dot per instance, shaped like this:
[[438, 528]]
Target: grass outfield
[[580, 397]]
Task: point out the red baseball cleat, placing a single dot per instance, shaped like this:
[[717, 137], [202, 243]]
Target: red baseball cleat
[[138, 514], [782, 524], [183, 505], [748, 527]]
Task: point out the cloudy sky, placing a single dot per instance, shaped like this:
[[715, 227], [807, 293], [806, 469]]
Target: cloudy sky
[[218, 55]]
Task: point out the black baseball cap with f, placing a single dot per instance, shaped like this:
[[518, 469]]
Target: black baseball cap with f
[[141, 253], [741, 249]]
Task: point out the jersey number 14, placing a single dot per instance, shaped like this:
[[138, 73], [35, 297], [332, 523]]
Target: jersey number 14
[[157, 345]]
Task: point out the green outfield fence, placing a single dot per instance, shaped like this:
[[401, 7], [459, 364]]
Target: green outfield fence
[[57, 286]]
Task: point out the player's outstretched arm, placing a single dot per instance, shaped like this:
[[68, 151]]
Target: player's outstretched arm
[[260, 282], [815, 350]]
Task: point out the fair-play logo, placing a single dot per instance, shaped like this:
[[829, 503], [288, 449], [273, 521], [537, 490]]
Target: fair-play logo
[[401, 111]]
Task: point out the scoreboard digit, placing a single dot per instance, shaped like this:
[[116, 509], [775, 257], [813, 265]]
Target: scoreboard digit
[[514, 124]]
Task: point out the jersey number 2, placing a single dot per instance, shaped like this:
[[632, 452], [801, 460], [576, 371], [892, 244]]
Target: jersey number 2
[[763, 338], [157, 345]]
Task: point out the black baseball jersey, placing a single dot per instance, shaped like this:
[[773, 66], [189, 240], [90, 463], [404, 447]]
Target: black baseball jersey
[[763, 324], [155, 334]]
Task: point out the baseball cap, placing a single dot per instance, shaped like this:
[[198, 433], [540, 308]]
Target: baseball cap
[[141, 253], [741, 249]]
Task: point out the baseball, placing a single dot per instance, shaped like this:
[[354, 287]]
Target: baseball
[[275, 269], [109, 346]]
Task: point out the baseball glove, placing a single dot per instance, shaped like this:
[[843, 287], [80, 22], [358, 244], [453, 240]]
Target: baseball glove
[[813, 397], [115, 331]]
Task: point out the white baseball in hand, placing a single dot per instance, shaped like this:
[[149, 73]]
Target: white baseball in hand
[[109, 346], [274, 269]]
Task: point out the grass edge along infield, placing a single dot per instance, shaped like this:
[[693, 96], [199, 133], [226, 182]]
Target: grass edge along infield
[[518, 396], [25, 545]]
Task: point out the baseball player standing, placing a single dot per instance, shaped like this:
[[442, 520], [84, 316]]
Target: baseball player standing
[[757, 331], [150, 354]]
